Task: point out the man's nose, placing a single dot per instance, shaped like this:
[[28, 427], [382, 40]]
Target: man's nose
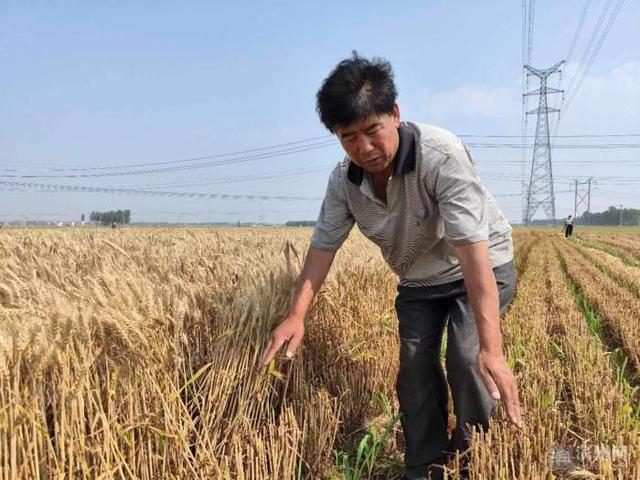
[[364, 145]]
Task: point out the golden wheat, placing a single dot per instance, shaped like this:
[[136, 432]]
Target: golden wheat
[[135, 354]]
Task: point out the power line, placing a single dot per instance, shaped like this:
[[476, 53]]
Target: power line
[[618, 193], [528, 16], [310, 141], [562, 146], [532, 11], [564, 162], [271, 154], [307, 171], [77, 168], [562, 181], [217, 163], [232, 179], [607, 178], [595, 51], [133, 191], [519, 193], [145, 214], [594, 34], [605, 146], [583, 15], [586, 135], [292, 151], [584, 65]]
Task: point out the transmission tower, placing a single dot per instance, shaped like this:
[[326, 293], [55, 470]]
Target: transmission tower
[[540, 191], [582, 199]]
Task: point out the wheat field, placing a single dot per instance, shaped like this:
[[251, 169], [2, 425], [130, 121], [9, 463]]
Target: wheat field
[[134, 353]]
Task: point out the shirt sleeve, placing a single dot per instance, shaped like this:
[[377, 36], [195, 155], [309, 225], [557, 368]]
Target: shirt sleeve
[[335, 219], [461, 198]]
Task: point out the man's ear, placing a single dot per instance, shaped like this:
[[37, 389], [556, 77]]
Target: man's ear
[[395, 113]]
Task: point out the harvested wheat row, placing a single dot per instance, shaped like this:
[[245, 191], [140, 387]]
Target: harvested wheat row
[[627, 275], [619, 308], [604, 407], [620, 246]]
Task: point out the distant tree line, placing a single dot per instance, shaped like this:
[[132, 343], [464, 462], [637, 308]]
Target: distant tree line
[[611, 216], [112, 216]]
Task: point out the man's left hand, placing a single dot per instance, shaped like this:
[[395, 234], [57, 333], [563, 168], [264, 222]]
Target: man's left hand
[[501, 383]]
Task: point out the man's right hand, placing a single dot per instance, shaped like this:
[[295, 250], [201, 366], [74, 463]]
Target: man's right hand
[[290, 330], [316, 267]]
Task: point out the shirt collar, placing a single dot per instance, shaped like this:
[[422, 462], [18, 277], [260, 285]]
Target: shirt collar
[[405, 159]]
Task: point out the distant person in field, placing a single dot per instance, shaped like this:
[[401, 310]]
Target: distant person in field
[[413, 190], [568, 227]]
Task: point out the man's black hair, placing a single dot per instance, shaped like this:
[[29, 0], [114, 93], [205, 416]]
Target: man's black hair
[[356, 89]]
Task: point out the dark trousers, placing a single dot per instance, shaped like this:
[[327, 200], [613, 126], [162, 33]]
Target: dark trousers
[[568, 230], [422, 385]]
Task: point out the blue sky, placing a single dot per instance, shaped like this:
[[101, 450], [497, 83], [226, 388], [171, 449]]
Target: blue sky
[[88, 84]]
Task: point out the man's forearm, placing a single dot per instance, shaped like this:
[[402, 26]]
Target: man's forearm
[[482, 291], [314, 272]]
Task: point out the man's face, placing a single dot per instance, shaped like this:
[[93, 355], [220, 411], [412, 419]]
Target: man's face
[[372, 143]]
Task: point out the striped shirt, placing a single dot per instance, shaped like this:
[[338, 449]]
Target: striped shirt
[[434, 200]]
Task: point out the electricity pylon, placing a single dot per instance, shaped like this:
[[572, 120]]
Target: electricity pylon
[[540, 191], [582, 199]]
